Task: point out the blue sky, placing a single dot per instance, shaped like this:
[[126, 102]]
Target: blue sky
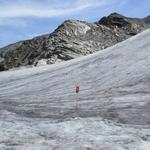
[[24, 19]]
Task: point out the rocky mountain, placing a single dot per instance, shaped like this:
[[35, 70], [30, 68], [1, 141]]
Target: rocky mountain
[[71, 39]]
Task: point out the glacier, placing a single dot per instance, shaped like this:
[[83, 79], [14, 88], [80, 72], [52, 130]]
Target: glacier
[[38, 105]]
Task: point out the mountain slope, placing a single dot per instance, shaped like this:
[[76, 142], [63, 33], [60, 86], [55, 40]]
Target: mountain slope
[[37, 105], [114, 84], [70, 40]]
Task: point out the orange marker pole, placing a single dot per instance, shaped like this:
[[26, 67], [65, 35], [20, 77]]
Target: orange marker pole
[[77, 92]]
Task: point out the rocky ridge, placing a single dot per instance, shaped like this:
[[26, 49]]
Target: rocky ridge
[[70, 40]]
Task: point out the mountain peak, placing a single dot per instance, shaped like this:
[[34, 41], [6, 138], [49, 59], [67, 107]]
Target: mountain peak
[[115, 14], [114, 19], [73, 27]]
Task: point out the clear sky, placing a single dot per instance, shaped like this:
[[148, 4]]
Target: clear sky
[[24, 19]]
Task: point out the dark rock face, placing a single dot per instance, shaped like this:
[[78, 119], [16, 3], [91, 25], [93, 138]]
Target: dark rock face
[[70, 40], [147, 19], [130, 26], [115, 20], [2, 67]]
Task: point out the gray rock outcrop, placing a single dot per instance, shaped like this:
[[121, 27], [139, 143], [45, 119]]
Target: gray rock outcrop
[[70, 40]]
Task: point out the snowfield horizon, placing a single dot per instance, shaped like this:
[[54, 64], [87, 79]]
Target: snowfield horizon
[[38, 105]]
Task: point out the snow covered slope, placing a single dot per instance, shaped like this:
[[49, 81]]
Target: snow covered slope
[[115, 85]]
